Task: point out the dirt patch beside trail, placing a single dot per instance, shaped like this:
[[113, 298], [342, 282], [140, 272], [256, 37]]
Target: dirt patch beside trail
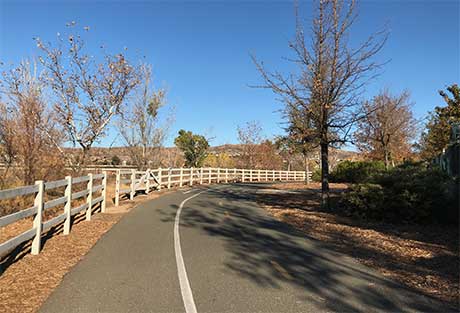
[[423, 257]]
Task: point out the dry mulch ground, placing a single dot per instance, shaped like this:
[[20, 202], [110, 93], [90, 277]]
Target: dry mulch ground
[[27, 280], [422, 257]]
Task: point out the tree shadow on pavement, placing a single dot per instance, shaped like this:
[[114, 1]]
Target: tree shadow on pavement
[[273, 255]]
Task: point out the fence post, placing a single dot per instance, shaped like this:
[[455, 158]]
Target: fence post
[[242, 175], [180, 177], [133, 182], [191, 176], [117, 188], [169, 178], [68, 205], [209, 175], [89, 197], [308, 177], [201, 175], [160, 178], [147, 183], [266, 175], [250, 175], [226, 175], [258, 175], [38, 202], [104, 192], [218, 175]]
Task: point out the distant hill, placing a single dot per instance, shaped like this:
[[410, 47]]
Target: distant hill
[[173, 156]]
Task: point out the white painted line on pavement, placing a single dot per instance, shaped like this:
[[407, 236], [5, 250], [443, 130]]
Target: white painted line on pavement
[[188, 191], [185, 289]]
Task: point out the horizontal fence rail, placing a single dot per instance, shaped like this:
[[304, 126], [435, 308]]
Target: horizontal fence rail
[[85, 194], [92, 184], [129, 182]]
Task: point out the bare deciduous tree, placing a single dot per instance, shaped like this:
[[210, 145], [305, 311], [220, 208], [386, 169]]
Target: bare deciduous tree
[[386, 131], [139, 126], [324, 91], [87, 94], [23, 118], [250, 136]]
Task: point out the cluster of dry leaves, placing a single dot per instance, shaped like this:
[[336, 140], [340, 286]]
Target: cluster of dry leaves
[[424, 257]]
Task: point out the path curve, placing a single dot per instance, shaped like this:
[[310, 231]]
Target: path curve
[[238, 259]]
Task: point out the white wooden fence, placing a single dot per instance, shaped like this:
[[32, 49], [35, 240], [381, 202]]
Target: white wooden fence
[[128, 183], [95, 184]]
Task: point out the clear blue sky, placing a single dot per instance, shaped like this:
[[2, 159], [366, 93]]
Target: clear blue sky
[[200, 50]]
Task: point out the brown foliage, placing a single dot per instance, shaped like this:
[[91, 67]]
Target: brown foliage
[[387, 129], [25, 143]]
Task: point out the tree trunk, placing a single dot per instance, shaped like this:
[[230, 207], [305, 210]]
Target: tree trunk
[[307, 168], [387, 158], [324, 175], [82, 161]]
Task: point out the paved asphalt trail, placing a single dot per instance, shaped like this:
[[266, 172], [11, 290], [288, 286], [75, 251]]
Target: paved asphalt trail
[[237, 259]]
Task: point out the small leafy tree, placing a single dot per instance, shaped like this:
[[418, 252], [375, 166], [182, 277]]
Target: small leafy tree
[[219, 160], [140, 128], [293, 145], [115, 160], [267, 156], [437, 134], [195, 147], [286, 149]]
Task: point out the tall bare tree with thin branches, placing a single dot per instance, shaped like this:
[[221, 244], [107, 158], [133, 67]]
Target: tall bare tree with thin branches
[[88, 94], [322, 98]]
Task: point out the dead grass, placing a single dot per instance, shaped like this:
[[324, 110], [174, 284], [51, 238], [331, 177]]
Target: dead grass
[[422, 257], [27, 280]]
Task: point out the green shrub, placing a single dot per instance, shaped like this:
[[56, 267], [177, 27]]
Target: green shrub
[[365, 201], [316, 175], [115, 160], [410, 193], [356, 172]]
